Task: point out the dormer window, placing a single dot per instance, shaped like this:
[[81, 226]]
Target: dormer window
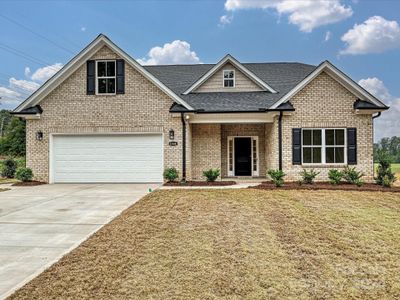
[[105, 77], [229, 78]]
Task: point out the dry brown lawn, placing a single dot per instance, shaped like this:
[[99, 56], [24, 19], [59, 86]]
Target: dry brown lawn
[[237, 244]]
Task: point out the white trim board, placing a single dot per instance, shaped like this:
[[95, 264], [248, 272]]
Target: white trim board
[[265, 117], [239, 66], [80, 59], [253, 138], [337, 75]]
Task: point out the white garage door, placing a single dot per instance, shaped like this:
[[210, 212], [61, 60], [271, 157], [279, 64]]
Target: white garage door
[[107, 158]]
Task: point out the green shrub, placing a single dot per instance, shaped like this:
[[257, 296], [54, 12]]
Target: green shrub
[[335, 176], [21, 162], [170, 174], [387, 182], [211, 174], [308, 177], [9, 168], [277, 177], [24, 174], [359, 182], [351, 175], [385, 176]]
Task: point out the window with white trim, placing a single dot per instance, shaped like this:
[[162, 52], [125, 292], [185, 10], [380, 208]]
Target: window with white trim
[[105, 76], [229, 78], [324, 146], [335, 146], [254, 148]]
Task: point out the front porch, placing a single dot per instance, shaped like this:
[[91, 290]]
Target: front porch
[[241, 151]]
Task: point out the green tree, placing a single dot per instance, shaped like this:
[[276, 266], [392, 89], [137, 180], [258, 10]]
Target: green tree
[[5, 119], [13, 141], [389, 146]]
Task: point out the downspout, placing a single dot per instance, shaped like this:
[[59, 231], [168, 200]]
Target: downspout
[[183, 147], [373, 134], [280, 139], [377, 116]]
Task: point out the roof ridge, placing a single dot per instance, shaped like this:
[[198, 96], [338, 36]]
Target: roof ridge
[[177, 65], [244, 63]]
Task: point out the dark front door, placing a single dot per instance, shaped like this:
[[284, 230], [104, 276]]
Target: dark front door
[[242, 156]]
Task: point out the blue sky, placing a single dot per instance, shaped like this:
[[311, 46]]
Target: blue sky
[[362, 38]]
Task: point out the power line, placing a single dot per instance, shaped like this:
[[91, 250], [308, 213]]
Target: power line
[[19, 16], [26, 56], [20, 91], [37, 34]]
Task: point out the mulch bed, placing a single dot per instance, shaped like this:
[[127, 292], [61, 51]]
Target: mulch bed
[[200, 183], [29, 183], [368, 187]]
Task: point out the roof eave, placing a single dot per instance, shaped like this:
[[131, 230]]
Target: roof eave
[[335, 72]]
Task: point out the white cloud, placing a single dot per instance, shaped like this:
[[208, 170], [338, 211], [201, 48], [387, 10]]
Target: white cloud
[[5, 92], [9, 98], [26, 85], [225, 20], [42, 74], [376, 87], [328, 36], [375, 35], [177, 52], [306, 14], [19, 89], [27, 72], [83, 28], [388, 124]]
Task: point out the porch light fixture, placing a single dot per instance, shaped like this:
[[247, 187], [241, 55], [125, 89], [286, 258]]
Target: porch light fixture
[[171, 134], [39, 135]]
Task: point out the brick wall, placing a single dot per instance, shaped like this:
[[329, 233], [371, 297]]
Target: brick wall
[[206, 148], [143, 108], [325, 103], [271, 146]]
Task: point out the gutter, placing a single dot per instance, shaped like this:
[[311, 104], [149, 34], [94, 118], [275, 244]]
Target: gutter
[[280, 139], [261, 110]]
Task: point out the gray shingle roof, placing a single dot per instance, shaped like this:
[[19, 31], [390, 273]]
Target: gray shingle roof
[[282, 77]]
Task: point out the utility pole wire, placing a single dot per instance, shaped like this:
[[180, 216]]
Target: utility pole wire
[[26, 56], [37, 34]]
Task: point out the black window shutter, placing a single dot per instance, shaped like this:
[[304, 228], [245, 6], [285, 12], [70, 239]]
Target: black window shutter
[[352, 146], [296, 141], [120, 76], [90, 78]]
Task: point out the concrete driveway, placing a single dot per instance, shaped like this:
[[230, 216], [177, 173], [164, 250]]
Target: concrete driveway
[[38, 225]]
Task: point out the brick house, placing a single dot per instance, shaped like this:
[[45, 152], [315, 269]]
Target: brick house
[[105, 118]]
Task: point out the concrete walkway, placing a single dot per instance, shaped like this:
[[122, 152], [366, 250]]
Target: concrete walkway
[[38, 225]]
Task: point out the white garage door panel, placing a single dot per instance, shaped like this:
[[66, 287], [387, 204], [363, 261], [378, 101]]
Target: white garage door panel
[[107, 158]]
